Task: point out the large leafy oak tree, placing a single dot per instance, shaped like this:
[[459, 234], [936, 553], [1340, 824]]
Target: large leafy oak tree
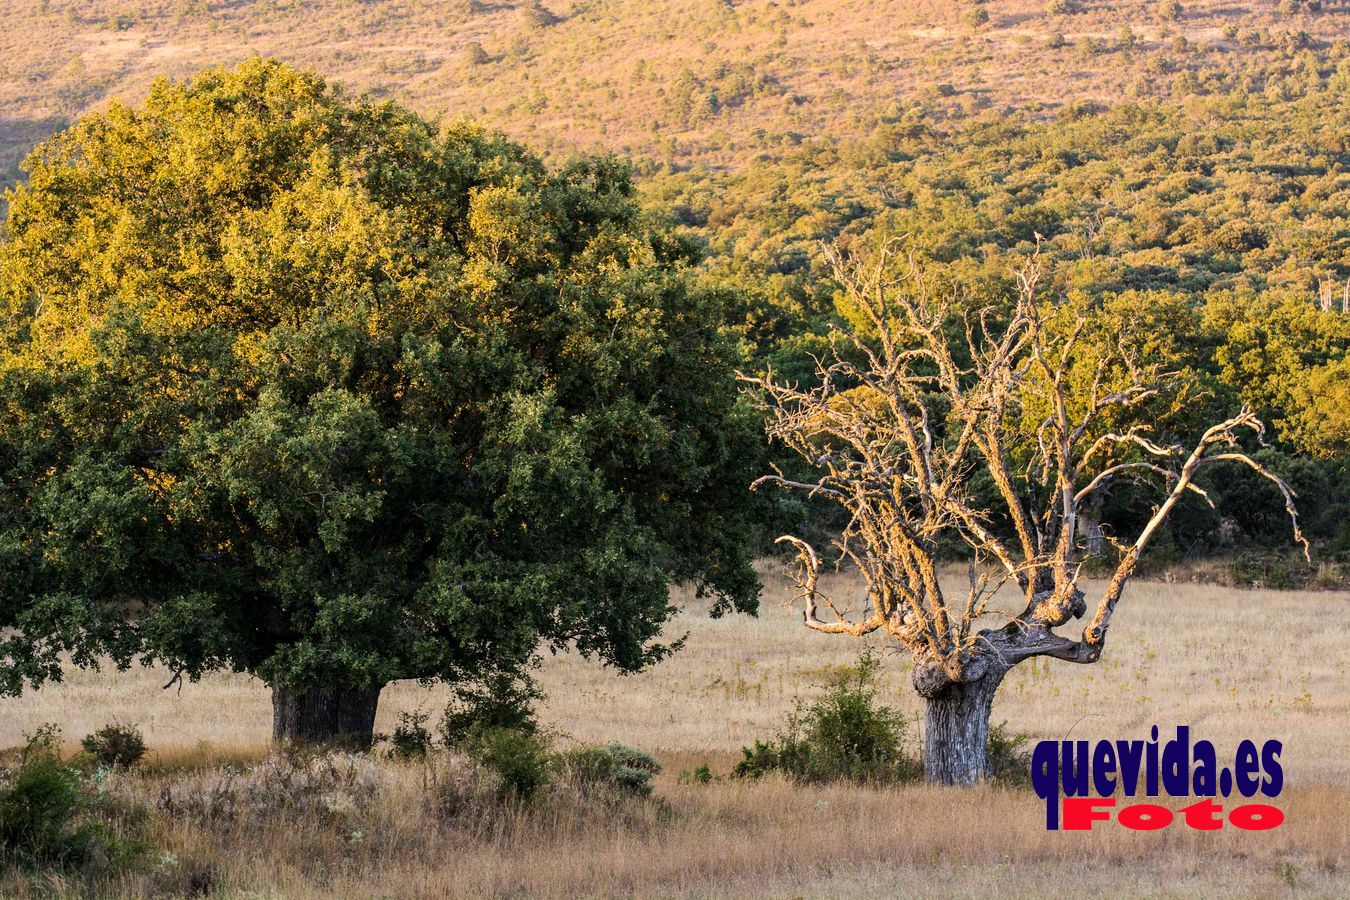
[[309, 387]]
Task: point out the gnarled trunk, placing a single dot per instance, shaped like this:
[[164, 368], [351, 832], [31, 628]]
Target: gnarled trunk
[[956, 722], [329, 713], [956, 732]]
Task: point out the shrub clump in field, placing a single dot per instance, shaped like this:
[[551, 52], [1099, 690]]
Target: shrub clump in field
[[617, 768], [493, 723], [500, 700], [115, 746], [53, 815], [498, 775], [1009, 762], [411, 739], [326, 785], [520, 759], [700, 774], [1268, 570], [845, 735]]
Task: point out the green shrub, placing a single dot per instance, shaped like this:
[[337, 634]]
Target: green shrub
[[519, 758], [51, 815], [632, 769], [40, 805], [974, 18], [844, 735], [410, 739], [500, 700], [785, 754], [850, 735], [1009, 763], [115, 746], [1268, 569], [847, 736], [620, 768]]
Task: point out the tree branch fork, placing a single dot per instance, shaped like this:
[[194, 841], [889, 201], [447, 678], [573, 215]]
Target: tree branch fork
[[896, 424]]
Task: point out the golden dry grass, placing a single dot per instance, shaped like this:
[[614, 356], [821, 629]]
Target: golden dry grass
[[735, 839], [1234, 664], [738, 839]]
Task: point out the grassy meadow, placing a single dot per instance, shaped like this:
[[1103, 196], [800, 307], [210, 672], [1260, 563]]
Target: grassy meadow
[[1238, 663]]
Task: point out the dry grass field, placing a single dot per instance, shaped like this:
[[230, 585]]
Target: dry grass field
[[1233, 664]]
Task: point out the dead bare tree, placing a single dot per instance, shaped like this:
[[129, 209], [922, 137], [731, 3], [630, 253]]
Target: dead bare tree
[[1326, 295], [894, 430]]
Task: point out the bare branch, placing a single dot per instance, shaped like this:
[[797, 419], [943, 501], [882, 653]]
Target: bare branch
[[1107, 475], [894, 427], [807, 591], [1222, 434]]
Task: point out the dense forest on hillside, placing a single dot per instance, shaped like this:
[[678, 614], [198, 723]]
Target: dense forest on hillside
[[1212, 234], [1182, 169]]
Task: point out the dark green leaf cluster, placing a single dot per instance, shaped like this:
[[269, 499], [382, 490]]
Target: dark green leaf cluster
[[520, 760], [410, 738], [115, 746], [502, 699]]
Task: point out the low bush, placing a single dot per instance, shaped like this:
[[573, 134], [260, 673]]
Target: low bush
[[519, 758], [701, 774], [410, 739], [53, 815], [115, 746], [1009, 763], [784, 754], [500, 700], [974, 18], [1269, 569], [845, 735], [616, 767], [496, 776]]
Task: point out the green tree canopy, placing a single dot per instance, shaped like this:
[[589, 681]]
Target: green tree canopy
[[310, 387], [1287, 357]]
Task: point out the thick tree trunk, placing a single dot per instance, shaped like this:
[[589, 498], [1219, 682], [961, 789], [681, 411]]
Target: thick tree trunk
[[956, 731], [328, 713], [1090, 526]]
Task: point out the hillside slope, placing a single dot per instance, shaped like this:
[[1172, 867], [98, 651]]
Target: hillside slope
[[714, 81]]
